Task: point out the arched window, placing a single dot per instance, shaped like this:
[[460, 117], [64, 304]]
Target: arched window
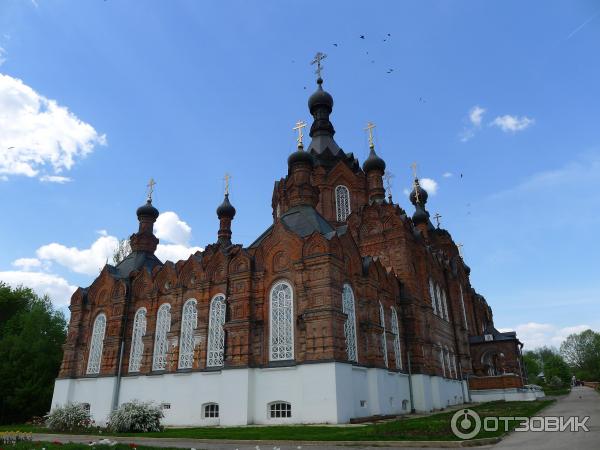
[[216, 334], [350, 324], [189, 322], [448, 364], [383, 337], [280, 410], [454, 364], [396, 333], [137, 344], [442, 359], [439, 301], [464, 311], [161, 345], [210, 411], [95, 357], [282, 322], [432, 295], [445, 302], [342, 203]]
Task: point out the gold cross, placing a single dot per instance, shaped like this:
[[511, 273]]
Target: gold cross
[[150, 187], [437, 218], [415, 184], [370, 126], [414, 168], [317, 60], [227, 177], [299, 125], [460, 246]]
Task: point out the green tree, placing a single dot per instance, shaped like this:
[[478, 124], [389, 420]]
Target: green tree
[[31, 336], [582, 353], [533, 367], [549, 361]]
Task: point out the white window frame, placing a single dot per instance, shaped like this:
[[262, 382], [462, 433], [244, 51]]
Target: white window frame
[[441, 356], [445, 302], [189, 322], [281, 403], [97, 345], [464, 311], [278, 357], [433, 297], [397, 345], [215, 354], [161, 343], [342, 211], [439, 300], [136, 353], [211, 408], [349, 308], [383, 335]]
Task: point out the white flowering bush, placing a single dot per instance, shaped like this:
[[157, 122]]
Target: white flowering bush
[[70, 417], [136, 417]]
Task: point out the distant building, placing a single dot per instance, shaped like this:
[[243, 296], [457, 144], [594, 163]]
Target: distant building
[[345, 307]]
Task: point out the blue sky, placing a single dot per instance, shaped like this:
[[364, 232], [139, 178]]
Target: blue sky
[[98, 96]]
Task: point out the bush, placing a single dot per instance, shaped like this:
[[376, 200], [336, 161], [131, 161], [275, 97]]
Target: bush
[[136, 417], [555, 382], [70, 417]]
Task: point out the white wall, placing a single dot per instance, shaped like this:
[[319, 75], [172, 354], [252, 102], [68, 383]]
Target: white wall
[[318, 393]]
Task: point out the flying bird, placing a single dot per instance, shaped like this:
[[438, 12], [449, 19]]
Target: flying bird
[[10, 148], [335, 45], [390, 70], [362, 36]]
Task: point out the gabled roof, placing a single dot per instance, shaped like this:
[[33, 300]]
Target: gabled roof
[[135, 261]]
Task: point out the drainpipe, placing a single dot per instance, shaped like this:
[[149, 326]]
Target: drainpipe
[[410, 386], [117, 389]]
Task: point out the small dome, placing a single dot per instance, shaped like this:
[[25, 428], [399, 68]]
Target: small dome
[[226, 209], [147, 210], [373, 162], [320, 98], [420, 216], [422, 194], [300, 156]]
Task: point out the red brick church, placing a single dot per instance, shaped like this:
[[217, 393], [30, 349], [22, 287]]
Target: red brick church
[[347, 306]]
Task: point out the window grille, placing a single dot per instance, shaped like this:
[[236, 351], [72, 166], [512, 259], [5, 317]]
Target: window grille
[[216, 334], [189, 322], [350, 324], [161, 345], [282, 324], [211, 411], [396, 333], [95, 357], [342, 203], [137, 344]]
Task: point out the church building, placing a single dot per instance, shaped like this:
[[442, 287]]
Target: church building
[[346, 307]]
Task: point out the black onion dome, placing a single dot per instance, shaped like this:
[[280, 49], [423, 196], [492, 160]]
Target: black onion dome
[[420, 216], [423, 195], [147, 210], [320, 98], [373, 162], [300, 156], [226, 209]]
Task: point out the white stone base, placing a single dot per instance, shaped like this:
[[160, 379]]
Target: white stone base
[[508, 394], [319, 393]]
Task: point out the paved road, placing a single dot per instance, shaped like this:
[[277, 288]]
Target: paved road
[[581, 402]]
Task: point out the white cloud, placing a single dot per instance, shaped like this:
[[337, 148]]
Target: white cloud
[[175, 252], [476, 115], [37, 135], [27, 263], [512, 124], [2, 56], [55, 179], [447, 174], [56, 287], [88, 261], [534, 334], [429, 185], [171, 228]]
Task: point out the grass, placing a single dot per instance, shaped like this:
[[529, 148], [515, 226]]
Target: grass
[[428, 428], [57, 446]]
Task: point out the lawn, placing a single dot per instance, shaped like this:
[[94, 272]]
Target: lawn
[[556, 391], [428, 428], [58, 446]]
